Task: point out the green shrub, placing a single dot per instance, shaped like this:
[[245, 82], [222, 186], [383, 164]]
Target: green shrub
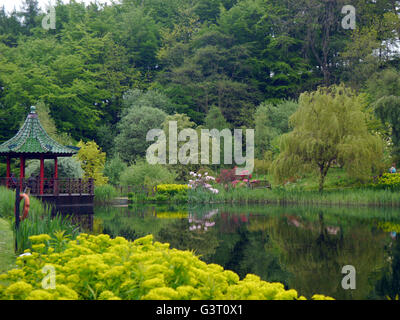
[[113, 170], [388, 181], [97, 267], [142, 173], [172, 189], [68, 167]]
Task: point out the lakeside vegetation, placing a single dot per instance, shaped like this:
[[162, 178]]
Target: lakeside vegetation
[[7, 255], [340, 190], [40, 220], [92, 268], [323, 104], [310, 109], [339, 197]]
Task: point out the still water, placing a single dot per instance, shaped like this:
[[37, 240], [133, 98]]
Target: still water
[[305, 248]]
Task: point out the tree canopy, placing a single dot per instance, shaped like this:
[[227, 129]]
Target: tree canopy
[[329, 128], [239, 61]]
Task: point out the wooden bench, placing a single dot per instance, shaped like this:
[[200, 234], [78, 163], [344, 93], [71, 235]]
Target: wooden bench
[[260, 184]]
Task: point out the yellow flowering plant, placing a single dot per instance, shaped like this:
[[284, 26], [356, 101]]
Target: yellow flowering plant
[[388, 181], [172, 189], [98, 267]]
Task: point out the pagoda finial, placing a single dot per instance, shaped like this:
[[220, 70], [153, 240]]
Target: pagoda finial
[[33, 109]]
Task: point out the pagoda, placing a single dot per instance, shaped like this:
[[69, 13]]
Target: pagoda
[[32, 142]]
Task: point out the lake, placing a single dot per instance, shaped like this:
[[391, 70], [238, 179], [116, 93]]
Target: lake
[[305, 248]]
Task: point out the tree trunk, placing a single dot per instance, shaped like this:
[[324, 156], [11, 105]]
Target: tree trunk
[[321, 182], [323, 170]]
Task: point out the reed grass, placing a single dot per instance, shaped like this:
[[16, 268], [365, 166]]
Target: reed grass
[[7, 255], [105, 193], [346, 197], [43, 223], [40, 220]]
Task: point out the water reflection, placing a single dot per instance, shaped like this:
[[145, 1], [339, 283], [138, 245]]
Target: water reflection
[[304, 248]]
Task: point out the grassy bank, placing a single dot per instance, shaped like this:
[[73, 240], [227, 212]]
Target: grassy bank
[[7, 256], [40, 220], [365, 197]]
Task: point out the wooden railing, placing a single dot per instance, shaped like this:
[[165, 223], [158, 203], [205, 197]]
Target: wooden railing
[[51, 186]]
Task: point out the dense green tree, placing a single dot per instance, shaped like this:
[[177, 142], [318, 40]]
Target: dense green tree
[[152, 98], [131, 142], [30, 10], [271, 121], [113, 169], [92, 160], [329, 128], [383, 88], [184, 57], [215, 119]]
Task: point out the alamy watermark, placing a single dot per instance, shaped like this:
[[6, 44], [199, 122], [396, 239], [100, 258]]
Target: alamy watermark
[[349, 280], [49, 280], [49, 20], [190, 153], [349, 21]]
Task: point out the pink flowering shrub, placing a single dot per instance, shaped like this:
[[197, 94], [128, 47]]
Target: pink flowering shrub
[[202, 181], [229, 178]]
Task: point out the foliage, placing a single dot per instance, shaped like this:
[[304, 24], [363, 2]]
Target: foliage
[[222, 63], [226, 176], [262, 167], [39, 223], [383, 89], [7, 204], [152, 98], [271, 121], [388, 226], [92, 161], [182, 122], [49, 125], [390, 181], [68, 167], [7, 255], [131, 142], [104, 193], [97, 267], [172, 189], [329, 127], [113, 169], [215, 119], [144, 174], [202, 181], [40, 220], [298, 196]]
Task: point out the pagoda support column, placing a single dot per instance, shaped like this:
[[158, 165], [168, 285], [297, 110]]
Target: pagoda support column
[[55, 191], [8, 172], [55, 168], [41, 178], [21, 172]]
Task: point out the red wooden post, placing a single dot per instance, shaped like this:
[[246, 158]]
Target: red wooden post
[[41, 174], [55, 168], [55, 186], [21, 171], [8, 173]]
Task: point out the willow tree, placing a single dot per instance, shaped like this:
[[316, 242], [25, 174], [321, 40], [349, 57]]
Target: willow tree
[[329, 128]]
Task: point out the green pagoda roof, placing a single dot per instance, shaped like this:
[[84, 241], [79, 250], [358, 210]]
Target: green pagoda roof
[[32, 139]]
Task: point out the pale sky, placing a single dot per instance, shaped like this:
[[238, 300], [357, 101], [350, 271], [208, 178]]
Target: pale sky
[[10, 4]]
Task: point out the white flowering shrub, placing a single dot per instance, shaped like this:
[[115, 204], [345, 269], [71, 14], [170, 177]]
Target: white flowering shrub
[[202, 181]]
